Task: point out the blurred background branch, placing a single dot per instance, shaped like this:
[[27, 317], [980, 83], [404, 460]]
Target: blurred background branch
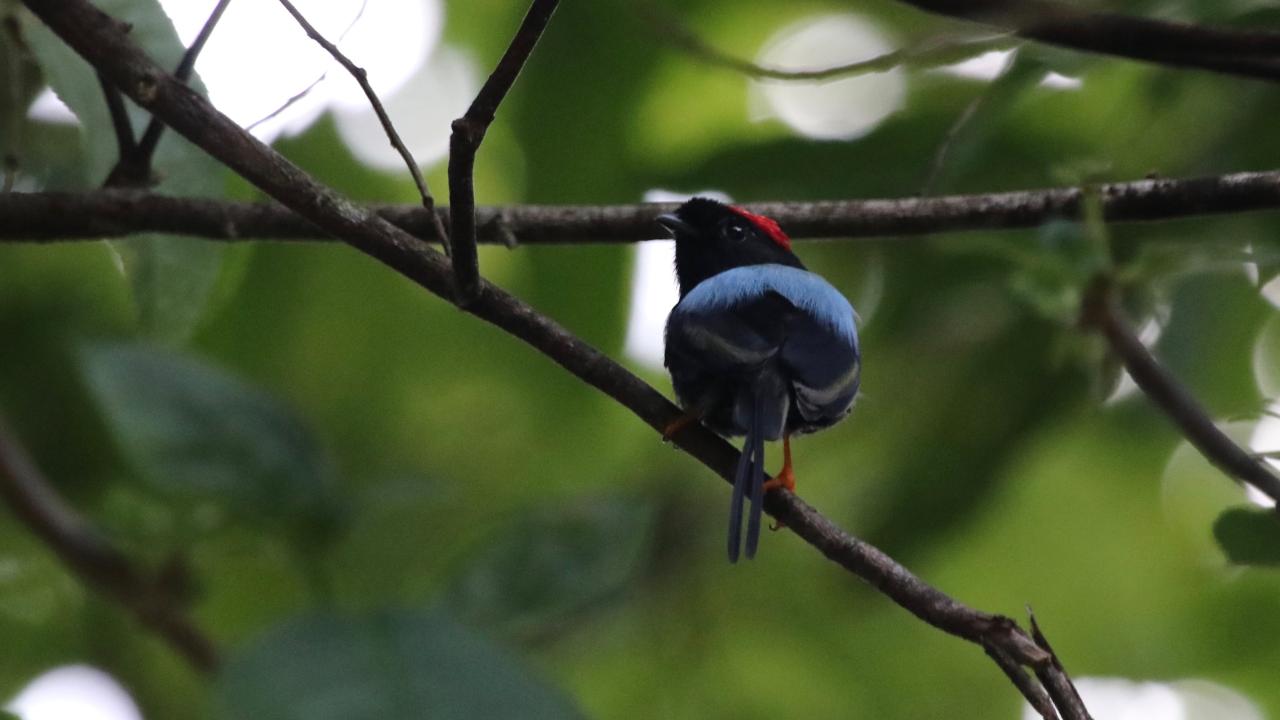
[[1246, 53], [91, 557], [1101, 312]]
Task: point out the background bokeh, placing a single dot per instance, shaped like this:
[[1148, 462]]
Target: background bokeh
[[389, 509]]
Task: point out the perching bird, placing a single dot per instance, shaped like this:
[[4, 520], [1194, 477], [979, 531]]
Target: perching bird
[[757, 346]]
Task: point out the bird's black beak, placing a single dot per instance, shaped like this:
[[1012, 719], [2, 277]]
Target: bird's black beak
[[675, 225]]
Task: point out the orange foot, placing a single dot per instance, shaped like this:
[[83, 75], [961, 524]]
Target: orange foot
[[786, 477], [669, 431]]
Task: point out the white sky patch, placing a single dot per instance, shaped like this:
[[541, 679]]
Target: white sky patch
[[993, 63], [987, 66], [1121, 699], [654, 290], [74, 692], [1266, 357], [838, 109], [259, 57], [1265, 439], [1149, 335], [422, 111], [1270, 290], [49, 108]]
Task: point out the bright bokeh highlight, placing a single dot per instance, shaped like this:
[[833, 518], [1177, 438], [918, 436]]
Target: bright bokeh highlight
[[654, 290], [427, 103], [1121, 699], [74, 692], [838, 109], [259, 57]]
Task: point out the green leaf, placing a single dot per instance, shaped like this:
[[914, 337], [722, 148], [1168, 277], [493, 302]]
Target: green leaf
[[198, 435], [400, 665], [1249, 536], [549, 566], [171, 277]]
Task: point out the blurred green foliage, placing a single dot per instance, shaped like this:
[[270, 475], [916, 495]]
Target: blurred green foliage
[[333, 451]]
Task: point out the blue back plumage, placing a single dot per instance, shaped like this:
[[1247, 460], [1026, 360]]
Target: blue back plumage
[[803, 289], [761, 327]]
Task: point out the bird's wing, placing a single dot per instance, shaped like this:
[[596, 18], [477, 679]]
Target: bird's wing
[[825, 369], [729, 339]]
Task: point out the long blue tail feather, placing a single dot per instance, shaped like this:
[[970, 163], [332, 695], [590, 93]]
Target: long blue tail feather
[[740, 478], [756, 442], [748, 479]]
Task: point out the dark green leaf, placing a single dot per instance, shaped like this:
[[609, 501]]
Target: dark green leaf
[[1249, 536], [197, 434], [550, 565], [386, 666], [171, 277]]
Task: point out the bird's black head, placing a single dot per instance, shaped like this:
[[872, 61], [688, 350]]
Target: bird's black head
[[712, 237]]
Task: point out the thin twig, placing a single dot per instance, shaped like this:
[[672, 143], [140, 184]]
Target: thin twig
[[14, 49], [293, 99], [1099, 311], [92, 558], [133, 166], [120, 122], [312, 85], [1035, 694], [464, 141], [64, 216], [362, 77], [1057, 683], [938, 51], [151, 136], [108, 48]]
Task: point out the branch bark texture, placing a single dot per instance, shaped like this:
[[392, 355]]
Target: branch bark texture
[[469, 131], [65, 216]]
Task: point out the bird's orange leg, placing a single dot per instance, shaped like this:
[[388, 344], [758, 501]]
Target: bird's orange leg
[[786, 477], [670, 429]]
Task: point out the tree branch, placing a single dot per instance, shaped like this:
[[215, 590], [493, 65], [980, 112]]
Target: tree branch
[[362, 77], [1035, 694], [120, 123], [151, 136], [92, 558], [1099, 311], [133, 167], [464, 141], [62, 216], [1057, 684], [930, 53], [101, 41], [1252, 54]]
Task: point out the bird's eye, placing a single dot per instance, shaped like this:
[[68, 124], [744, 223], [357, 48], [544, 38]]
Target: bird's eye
[[735, 232]]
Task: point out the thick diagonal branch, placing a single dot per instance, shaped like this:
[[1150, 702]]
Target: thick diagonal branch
[[468, 133], [107, 46], [92, 558]]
